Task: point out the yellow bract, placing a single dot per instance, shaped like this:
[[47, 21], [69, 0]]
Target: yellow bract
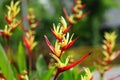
[[87, 75], [13, 10]]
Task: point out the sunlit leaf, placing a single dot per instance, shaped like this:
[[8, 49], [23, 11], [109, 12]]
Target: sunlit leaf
[[21, 58]]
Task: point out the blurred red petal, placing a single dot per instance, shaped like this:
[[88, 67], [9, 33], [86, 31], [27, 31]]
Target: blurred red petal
[[79, 8], [115, 55], [91, 78], [3, 34], [19, 77], [26, 43], [66, 30], [7, 19], [82, 16], [66, 15]]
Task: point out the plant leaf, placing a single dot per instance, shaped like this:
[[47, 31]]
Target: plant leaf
[[21, 58], [5, 66], [41, 66], [49, 74]]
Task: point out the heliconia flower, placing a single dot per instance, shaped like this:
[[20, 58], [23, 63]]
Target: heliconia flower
[[29, 41], [71, 18], [13, 10], [77, 8], [87, 75], [31, 19], [63, 42], [67, 67], [108, 46], [63, 39], [77, 12], [34, 25], [13, 23]]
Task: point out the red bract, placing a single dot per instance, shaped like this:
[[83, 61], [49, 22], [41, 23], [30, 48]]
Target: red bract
[[50, 45], [3, 34], [82, 16], [20, 77], [67, 16], [67, 46], [81, 7], [67, 29], [26, 43], [56, 36], [62, 69], [115, 55], [7, 19], [91, 78]]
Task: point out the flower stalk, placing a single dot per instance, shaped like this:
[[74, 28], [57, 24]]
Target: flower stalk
[[29, 37]]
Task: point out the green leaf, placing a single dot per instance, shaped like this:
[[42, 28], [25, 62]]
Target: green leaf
[[21, 58], [67, 75], [49, 74], [41, 66], [5, 66], [42, 70]]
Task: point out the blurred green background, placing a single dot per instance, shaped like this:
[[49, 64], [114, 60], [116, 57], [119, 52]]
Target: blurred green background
[[104, 15]]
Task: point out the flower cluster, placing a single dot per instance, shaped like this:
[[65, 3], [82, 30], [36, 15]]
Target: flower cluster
[[77, 12], [108, 46], [31, 19], [13, 23], [63, 42], [29, 38], [108, 52], [29, 41]]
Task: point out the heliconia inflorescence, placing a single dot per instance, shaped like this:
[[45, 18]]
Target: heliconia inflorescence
[[109, 54], [77, 12], [13, 23], [29, 37], [63, 42]]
